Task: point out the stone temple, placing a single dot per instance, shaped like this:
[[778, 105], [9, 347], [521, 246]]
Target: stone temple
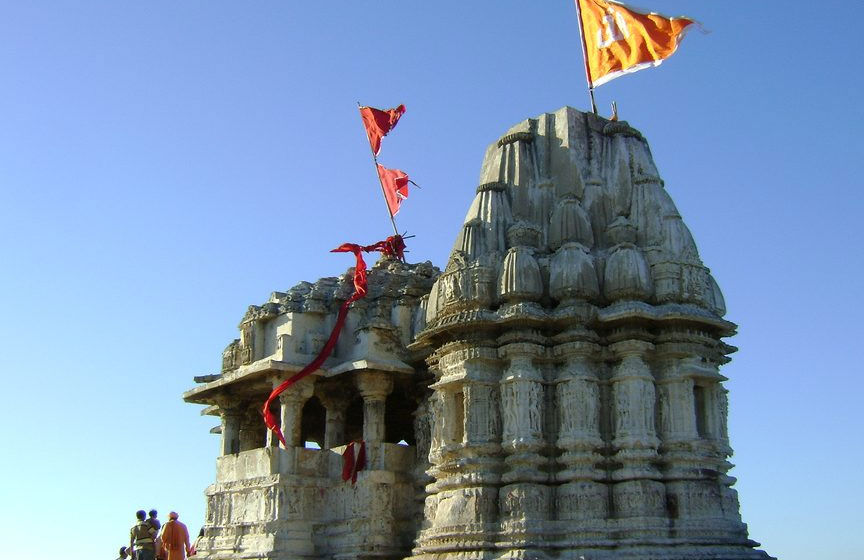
[[553, 393]]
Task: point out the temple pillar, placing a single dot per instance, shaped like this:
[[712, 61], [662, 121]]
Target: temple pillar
[[335, 406], [522, 408], [578, 395], [694, 443], [583, 496], [638, 495], [252, 429], [525, 500], [374, 386], [291, 412], [678, 429], [231, 417]]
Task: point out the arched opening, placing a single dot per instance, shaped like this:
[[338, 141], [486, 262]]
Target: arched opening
[[354, 420], [312, 422], [399, 418]]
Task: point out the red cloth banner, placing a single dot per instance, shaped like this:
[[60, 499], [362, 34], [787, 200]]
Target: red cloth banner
[[395, 184], [393, 246], [351, 465], [378, 123]]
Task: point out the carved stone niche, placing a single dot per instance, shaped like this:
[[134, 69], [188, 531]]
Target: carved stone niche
[[231, 356], [525, 502], [639, 498], [582, 501], [465, 506]]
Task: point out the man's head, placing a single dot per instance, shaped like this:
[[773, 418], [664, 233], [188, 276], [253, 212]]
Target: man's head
[[153, 513], [141, 514], [173, 515]]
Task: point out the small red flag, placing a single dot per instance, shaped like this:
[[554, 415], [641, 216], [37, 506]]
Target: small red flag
[[379, 122], [395, 183]]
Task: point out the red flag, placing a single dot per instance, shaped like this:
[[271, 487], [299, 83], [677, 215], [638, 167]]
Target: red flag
[[379, 122], [352, 465], [395, 183]]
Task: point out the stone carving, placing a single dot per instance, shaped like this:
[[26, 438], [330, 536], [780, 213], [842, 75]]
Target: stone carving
[[231, 356], [557, 386]]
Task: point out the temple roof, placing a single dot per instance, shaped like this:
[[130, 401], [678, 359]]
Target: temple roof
[[571, 219]]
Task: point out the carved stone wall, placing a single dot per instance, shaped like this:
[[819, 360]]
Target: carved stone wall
[[603, 337]]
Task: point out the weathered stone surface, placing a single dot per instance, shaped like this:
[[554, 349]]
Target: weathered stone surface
[[557, 385]]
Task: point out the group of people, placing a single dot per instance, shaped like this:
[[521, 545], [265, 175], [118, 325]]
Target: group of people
[[150, 540]]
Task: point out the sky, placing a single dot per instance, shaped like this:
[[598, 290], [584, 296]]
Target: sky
[[165, 164]]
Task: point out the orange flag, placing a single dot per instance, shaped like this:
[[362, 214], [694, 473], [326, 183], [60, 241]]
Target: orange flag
[[619, 40]]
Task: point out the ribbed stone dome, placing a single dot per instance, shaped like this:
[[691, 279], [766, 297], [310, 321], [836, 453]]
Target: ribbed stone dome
[[570, 207], [627, 275], [570, 222], [520, 276], [572, 274]]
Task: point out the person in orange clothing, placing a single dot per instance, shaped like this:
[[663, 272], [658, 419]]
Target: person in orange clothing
[[175, 538]]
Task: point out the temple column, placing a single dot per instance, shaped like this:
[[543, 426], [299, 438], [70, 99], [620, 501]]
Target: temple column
[[639, 492], [583, 495], [678, 427], [422, 446], [694, 445], [335, 406], [524, 502], [522, 408], [717, 411], [252, 429], [231, 416], [374, 386], [291, 413], [482, 424]]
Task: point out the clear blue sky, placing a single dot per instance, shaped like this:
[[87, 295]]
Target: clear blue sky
[[164, 164]]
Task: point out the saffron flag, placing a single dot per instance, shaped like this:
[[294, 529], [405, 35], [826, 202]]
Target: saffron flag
[[379, 122], [395, 185], [619, 40]]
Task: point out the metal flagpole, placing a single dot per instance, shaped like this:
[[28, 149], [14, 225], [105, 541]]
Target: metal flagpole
[[380, 181], [585, 57]]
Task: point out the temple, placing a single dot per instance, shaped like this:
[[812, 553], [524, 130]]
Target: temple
[[555, 392]]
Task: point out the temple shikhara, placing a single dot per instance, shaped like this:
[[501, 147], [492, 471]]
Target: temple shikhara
[[554, 393]]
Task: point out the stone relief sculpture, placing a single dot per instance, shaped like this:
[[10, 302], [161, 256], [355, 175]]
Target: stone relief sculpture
[[557, 386]]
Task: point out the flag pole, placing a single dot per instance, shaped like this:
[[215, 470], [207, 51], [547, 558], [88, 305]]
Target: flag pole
[[381, 183], [585, 56]]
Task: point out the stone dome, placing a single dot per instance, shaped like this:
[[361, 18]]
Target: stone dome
[[571, 207]]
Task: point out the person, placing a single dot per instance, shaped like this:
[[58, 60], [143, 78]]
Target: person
[[197, 542], [154, 520], [122, 555], [175, 538], [141, 538]]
